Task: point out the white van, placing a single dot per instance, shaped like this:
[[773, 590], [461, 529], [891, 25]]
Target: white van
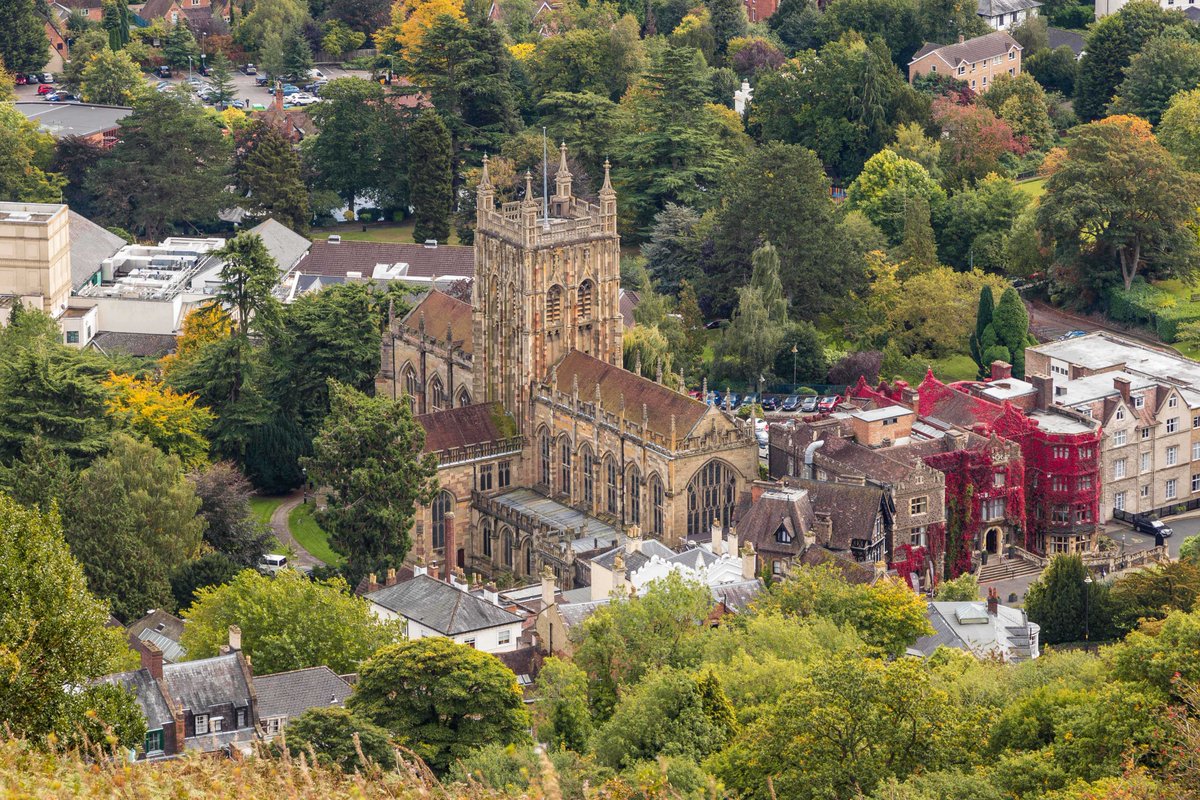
[[271, 563]]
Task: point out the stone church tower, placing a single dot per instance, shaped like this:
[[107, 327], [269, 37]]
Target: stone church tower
[[547, 281]]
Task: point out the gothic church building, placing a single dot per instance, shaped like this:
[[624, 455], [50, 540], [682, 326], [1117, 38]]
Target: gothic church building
[[548, 450]]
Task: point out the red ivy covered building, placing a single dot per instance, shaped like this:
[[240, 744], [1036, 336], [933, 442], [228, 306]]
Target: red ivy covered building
[[1032, 480]]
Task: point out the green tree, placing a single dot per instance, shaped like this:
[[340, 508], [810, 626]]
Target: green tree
[[963, 588], [665, 713], [974, 141], [911, 143], [53, 636], [888, 614], [673, 251], [1190, 550], [210, 569], [894, 21], [23, 42], [1009, 329], [340, 38], [1161, 653], [115, 19], [749, 344], [346, 157], [1165, 66], [288, 622], [337, 736], [131, 521], [111, 78], [917, 249], [1111, 44], [444, 699], [983, 319], [885, 188], [801, 354], [979, 224], [231, 527], [1154, 592], [1119, 199], [368, 454], [1057, 600], [1179, 130], [170, 168], [729, 21], [1021, 102], [25, 154], [1055, 70], [220, 78], [670, 148], [297, 58], [248, 277], [561, 714], [180, 48], [268, 174], [431, 177]]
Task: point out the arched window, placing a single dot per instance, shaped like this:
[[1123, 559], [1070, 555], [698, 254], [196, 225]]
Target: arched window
[[564, 456], [554, 306], [437, 394], [441, 506], [585, 298], [506, 547], [610, 485], [411, 385], [529, 557], [710, 497], [588, 470], [656, 504], [487, 538], [464, 398], [544, 456], [633, 495]]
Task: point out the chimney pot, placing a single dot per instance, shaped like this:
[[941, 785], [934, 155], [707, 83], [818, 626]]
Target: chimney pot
[[549, 590], [152, 659], [235, 637], [993, 602], [391, 577]]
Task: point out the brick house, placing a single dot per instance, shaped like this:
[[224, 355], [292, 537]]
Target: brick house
[[977, 62]]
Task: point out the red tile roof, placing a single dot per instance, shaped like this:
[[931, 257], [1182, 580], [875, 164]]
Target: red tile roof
[[439, 311], [466, 425], [423, 262], [661, 403]]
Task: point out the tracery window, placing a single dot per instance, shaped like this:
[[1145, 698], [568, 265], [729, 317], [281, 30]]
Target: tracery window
[[710, 496]]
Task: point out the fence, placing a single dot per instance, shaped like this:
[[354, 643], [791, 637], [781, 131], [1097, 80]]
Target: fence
[[1181, 507], [324, 57]]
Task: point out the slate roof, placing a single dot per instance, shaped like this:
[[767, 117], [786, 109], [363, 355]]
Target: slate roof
[[853, 571], [164, 630], [575, 613], [994, 8], [290, 694], [661, 403], [73, 119], [146, 345], [423, 262], [972, 50], [441, 310], [737, 596], [208, 682], [1006, 635], [1060, 37], [636, 559], [441, 607], [466, 425], [627, 302], [147, 693], [284, 244], [791, 508], [852, 509], [593, 533], [90, 245]]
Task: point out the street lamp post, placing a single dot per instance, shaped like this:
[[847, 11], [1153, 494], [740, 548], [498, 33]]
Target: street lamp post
[[794, 352], [1087, 610], [189, 69]]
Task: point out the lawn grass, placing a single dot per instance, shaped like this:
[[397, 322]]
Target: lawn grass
[[311, 537], [264, 507], [949, 369], [1034, 187], [375, 232]]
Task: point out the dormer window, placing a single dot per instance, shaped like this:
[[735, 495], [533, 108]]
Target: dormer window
[[783, 536], [1139, 402], [1173, 401]]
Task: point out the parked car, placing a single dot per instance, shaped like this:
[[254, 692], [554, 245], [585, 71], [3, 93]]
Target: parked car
[[730, 402], [21, 79], [47, 77], [163, 71], [289, 90], [1144, 524], [748, 399], [770, 403], [809, 404], [828, 404], [261, 80], [271, 563], [250, 69], [303, 99], [44, 89], [790, 403], [52, 97], [316, 75]]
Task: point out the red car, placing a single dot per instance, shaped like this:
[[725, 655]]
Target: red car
[[45, 88], [20, 79], [829, 404]]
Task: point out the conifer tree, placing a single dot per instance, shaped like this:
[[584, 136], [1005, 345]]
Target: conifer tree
[[430, 177], [983, 318], [728, 19], [268, 172], [220, 77], [180, 46], [297, 57], [23, 42], [918, 246]]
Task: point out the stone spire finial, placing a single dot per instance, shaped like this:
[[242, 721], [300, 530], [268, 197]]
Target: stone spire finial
[[562, 179], [606, 188], [682, 383], [672, 431], [485, 178], [562, 160], [449, 333], [597, 395], [645, 416], [637, 362], [421, 323], [528, 188], [575, 385], [658, 373], [704, 389], [391, 314]]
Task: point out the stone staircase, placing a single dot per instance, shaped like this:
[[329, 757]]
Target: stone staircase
[[1003, 569]]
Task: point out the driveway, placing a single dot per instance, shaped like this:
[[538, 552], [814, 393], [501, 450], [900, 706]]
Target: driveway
[[279, 526]]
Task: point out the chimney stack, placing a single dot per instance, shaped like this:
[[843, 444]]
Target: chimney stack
[[1001, 370], [993, 602], [451, 546], [1044, 385], [731, 542], [1123, 385], [459, 580], [372, 582], [152, 659], [749, 561], [391, 577], [633, 539], [418, 568], [548, 588], [491, 593], [618, 574], [235, 638], [717, 537]]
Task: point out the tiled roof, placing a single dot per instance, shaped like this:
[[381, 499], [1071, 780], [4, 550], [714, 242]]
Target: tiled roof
[[147, 693], [146, 345], [423, 262], [791, 508], [441, 311], [1060, 36], [852, 509], [90, 245], [284, 244], [853, 571], [466, 425], [628, 301], [158, 620], [972, 50], [994, 8], [200, 685], [154, 9], [290, 694], [439, 606], [661, 403]]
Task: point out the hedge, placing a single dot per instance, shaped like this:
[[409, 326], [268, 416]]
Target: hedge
[[1154, 306]]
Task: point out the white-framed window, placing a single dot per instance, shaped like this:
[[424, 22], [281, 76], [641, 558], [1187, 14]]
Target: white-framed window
[[1146, 432], [273, 725], [1195, 451], [1172, 424], [933, 67], [1119, 468], [1196, 421], [201, 724], [1119, 500], [1171, 489], [504, 637], [783, 535], [1085, 481], [1083, 514], [972, 83], [998, 479], [216, 724], [994, 508], [985, 80], [469, 642], [1172, 456], [918, 505], [918, 537], [1060, 514], [1173, 401], [1062, 452], [1145, 465], [1120, 415], [241, 717], [962, 70], [1119, 438], [1195, 483], [776, 567], [1139, 402], [1144, 492], [1012, 55]]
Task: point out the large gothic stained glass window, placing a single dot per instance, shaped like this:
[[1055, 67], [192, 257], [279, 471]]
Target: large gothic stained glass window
[[710, 496], [441, 506]]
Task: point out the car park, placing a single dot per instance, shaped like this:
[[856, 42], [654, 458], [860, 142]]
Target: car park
[[47, 77], [1154, 527], [250, 69], [790, 403], [809, 404], [45, 89]]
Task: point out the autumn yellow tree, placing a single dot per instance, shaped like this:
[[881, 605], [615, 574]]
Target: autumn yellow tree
[[202, 326], [411, 19], [170, 420]]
